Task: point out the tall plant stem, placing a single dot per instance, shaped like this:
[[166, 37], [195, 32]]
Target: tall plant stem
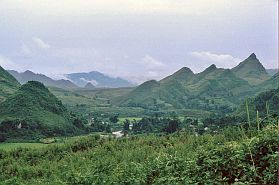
[[258, 121], [248, 114]]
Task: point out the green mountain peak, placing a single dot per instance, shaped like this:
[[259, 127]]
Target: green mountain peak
[[252, 56], [251, 70], [210, 69], [183, 74], [38, 109]]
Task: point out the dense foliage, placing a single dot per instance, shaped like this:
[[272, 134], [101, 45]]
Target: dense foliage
[[33, 112], [214, 89], [8, 84], [155, 125], [266, 103], [182, 158]]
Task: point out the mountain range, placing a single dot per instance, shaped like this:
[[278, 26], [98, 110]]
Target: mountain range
[[32, 108], [31, 76], [98, 80], [88, 81], [213, 89]]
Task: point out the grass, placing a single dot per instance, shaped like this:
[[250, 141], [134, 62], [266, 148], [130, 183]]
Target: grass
[[181, 158], [14, 146]]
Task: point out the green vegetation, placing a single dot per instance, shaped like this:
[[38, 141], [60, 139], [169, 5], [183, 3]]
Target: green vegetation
[[8, 84], [244, 157], [251, 70], [73, 100], [185, 129], [121, 120], [13, 146], [265, 102], [32, 111], [214, 89]]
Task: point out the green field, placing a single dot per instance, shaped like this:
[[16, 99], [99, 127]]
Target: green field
[[13, 146]]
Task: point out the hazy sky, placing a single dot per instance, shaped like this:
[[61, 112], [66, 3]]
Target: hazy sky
[[135, 39]]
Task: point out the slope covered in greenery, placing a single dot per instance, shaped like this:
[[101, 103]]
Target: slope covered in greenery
[[8, 84], [266, 103], [271, 83], [251, 70], [271, 72], [232, 156], [34, 110], [213, 89]]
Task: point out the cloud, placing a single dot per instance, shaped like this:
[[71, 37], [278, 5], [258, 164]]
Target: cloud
[[40, 43], [93, 82], [221, 60], [271, 64], [7, 63], [148, 68], [151, 63]]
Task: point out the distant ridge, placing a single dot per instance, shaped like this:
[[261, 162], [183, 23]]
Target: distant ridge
[[89, 86], [31, 76], [99, 79], [272, 72]]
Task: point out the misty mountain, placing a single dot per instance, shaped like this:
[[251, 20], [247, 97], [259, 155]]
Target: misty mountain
[[272, 72], [98, 80], [212, 89], [89, 86], [30, 76]]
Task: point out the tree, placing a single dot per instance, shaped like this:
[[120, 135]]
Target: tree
[[114, 119], [126, 126], [2, 138], [108, 128], [172, 126]]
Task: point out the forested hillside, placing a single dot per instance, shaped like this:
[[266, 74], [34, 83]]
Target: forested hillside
[[33, 111], [214, 89], [8, 84]]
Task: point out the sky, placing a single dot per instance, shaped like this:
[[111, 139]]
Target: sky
[[137, 40]]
